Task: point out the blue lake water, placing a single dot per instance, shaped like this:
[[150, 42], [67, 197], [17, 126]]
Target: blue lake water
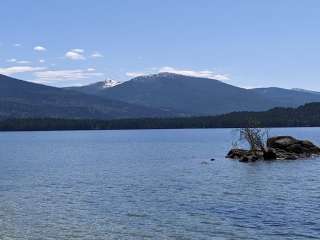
[[152, 184]]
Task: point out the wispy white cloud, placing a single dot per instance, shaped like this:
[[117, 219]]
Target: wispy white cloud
[[17, 45], [193, 73], [42, 61], [39, 48], [75, 54], [23, 62], [135, 74], [14, 60], [186, 72], [96, 55], [66, 75], [19, 69], [11, 60], [78, 50]]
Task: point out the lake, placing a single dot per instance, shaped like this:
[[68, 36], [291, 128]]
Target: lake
[[152, 184]]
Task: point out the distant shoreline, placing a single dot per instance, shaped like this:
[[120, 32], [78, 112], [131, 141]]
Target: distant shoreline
[[127, 129], [307, 115]]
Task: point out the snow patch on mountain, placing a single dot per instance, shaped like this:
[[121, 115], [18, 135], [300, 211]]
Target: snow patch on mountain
[[110, 83]]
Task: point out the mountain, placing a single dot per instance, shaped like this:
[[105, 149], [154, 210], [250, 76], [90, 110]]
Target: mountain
[[198, 96], [305, 90], [288, 97], [110, 83], [25, 99], [95, 88], [158, 95]]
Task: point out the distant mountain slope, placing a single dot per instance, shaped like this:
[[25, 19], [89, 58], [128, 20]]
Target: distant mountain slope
[[305, 90], [95, 88], [288, 97], [24, 99], [196, 96], [199, 96]]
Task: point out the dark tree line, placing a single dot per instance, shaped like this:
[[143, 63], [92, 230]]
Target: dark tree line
[[304, 116]]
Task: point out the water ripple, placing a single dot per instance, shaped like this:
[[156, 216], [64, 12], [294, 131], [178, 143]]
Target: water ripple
[[152, 185]]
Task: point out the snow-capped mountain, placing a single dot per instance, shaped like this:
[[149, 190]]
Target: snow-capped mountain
[[95, 88], [22, 99], [198, 96], [110, 83]]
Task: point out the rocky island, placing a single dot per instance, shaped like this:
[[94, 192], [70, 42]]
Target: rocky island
[[277, 148]]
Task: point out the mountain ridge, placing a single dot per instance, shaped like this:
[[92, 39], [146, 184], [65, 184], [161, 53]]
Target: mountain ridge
[[20, 98], [198, 95], [157, 95]]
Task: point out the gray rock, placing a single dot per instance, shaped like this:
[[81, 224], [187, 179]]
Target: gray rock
[[280, 141], [270, 154], [278, 148], [245, 155]]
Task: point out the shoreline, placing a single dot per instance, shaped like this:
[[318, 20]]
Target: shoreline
[[307, 115], [136, 129]]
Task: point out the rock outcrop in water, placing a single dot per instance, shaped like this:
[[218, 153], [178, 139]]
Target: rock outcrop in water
[[278, 148]]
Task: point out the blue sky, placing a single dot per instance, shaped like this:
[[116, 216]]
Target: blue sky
[[247, 43]]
